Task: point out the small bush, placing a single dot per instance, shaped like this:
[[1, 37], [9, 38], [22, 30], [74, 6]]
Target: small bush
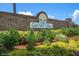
[[46, 34], [31, 40], [42, 35], [72, 31], [10, 39], [50, 35], [65, 31], [23, 39]]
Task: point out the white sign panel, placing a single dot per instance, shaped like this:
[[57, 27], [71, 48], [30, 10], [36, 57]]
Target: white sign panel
[[40, 25]]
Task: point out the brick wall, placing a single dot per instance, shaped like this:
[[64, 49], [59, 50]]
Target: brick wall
[[22, 22]]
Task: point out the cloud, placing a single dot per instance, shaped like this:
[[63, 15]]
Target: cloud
[[75, 14], [51, 16], [25, 13], [29, 13]]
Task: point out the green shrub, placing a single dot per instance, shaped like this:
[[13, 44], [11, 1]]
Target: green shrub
[[42, 35], [46, 34], [50, 35], [36, 33], [72, 31], [10, 39], [3, 52], [65, 31], [31, 40], [23, 39]]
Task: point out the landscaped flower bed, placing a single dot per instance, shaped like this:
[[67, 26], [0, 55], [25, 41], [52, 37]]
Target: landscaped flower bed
[[45, 42]]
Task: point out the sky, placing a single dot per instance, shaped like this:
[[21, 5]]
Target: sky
[[58, 11]]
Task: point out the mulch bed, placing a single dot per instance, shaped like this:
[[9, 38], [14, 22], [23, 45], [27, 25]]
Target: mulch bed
[[20, 47]]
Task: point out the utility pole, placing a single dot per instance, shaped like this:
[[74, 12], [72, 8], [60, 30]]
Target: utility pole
[[14, 8]]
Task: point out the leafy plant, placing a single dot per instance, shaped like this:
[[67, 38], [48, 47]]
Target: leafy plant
[[10, 39], [72, 31], [31, 40], [42, 35], [23, 38], [50, 35], [65, 31]]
